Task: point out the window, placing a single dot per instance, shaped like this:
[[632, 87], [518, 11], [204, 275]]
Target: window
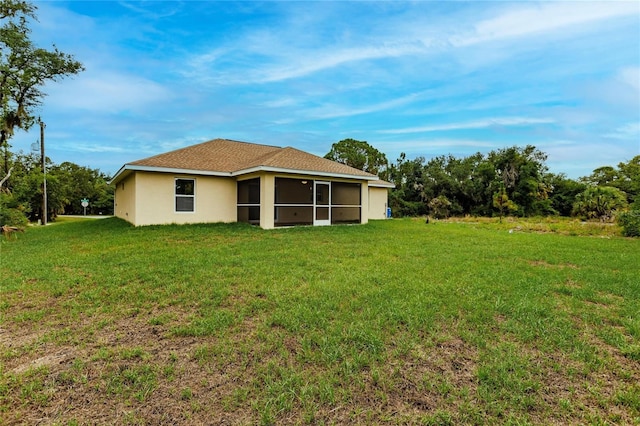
[[249, 201], [185, 195]]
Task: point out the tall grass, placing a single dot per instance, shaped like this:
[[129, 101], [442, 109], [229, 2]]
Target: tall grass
[[392, 322]]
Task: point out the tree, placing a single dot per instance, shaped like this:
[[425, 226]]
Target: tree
[[24, 70], [440, 207], [626, 178], [602, 176], [457, 180], [629, 180], [360, 155], [67, 184], [522, 172], [564, 193], [408, 196], [79, 182], [502, 202], [600, 202]]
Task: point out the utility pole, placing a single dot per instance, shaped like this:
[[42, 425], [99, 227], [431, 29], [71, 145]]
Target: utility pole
[[44, 174]]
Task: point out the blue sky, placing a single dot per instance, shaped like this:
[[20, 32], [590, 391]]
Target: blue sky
[[425, 78]]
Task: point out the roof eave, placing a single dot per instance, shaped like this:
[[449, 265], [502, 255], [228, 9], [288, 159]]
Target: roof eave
[[128, 168], [382, 185]]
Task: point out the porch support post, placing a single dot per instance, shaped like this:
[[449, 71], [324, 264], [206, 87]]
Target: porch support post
[[267, 201], [364, 202]]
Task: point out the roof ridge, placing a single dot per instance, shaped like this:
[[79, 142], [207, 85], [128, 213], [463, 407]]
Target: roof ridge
[[261, 160], [244, 142], [189, 147]]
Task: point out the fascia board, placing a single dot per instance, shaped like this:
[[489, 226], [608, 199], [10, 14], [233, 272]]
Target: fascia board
[[382, 185], [134, 168]]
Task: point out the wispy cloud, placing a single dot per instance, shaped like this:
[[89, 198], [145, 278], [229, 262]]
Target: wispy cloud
[[545, 18], [155, 10], [338, 111], [308, 64], [283, 55], [478, 124], [290, 63], [108, 91], [629, 131], [437, 144], [631, 77]]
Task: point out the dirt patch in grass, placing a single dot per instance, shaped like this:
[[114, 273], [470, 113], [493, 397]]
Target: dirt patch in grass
[[128, 371], [49, 361], [17, 337], [543, 264], [430, 378]]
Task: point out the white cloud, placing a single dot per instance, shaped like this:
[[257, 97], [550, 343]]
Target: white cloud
[[107, 91], [156, 10], [90, 147], [479, 124], [337, 111], [301, 65], [545, 18], [287, 52], [631, 77], [629, 131], [440, 143], [285, 63]]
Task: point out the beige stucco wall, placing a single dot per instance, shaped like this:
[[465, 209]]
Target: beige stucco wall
[[124, 199], [148, 198], [267, 199], [215, 200], [378, 201]]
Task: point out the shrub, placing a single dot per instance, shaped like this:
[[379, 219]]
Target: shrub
[[600, 202], [440, 207], [630, 223], [11, 212]]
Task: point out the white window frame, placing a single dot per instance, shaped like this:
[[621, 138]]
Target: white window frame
[[175, 196]]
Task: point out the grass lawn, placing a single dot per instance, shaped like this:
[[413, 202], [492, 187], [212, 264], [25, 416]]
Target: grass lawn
[[394, 322]]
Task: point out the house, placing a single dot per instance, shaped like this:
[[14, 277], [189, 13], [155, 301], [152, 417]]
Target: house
[[230, 181]]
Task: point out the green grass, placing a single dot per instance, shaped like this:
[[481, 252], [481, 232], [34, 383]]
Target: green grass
[[394, 322]]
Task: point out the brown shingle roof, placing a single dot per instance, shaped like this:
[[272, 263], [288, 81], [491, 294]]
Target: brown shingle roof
[[218, 155], [294, 159], [233, 157]]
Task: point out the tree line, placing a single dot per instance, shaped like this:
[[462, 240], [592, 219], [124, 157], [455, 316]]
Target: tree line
[[67, 185], [508, 181]]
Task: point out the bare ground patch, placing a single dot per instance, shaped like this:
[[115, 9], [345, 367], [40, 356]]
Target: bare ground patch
[[544, 264]]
